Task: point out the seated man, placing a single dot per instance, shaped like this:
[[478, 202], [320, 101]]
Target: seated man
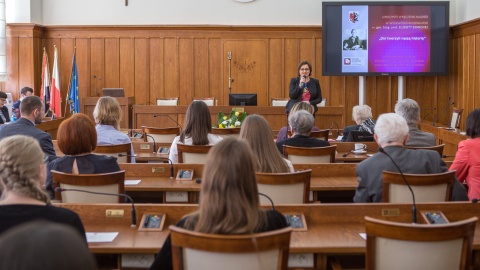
[[409, 109], [32, 111], [391, 133], [24, 92], [301, 123]]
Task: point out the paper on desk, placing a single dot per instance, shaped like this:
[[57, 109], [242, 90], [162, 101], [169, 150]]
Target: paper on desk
[[363, 235], [97, 237], [132, 182]]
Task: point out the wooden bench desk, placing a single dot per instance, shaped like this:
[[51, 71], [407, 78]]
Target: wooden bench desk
[[332, 228]]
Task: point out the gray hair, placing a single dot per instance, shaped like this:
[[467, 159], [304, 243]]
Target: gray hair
[[391, 128], [408, 109], [301, 122], [361, 113]]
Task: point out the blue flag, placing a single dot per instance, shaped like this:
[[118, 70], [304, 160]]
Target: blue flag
[[73, 88]]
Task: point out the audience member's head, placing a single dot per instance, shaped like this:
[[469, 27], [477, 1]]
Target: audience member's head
[[44, 245], [108, 112], [3, 98], [473, 124], [32, 108], [22, 168], [302, 106], [391, 129], [198, 123], [77, 135], [301, 122], [361, 113], [408, 109], [229, 202], [26, 92], [258, 134]]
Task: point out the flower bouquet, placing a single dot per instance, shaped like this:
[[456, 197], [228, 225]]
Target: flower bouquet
[[234, 120]]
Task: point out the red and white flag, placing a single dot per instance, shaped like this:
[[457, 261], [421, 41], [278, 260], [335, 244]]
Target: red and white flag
[[55, 96], [45, 90]]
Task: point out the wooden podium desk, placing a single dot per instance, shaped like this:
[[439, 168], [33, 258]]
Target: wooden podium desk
[[450, 138], [333, 229], [171, 116], [50, 126]]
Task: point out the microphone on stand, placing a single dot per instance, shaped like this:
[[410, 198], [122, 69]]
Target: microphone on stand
[[171, 166], [270, 199], [338, 129], [171, 118], [134, 215], [125, 155], [153, 139], [430, 114], [444, 110], [414, 206]]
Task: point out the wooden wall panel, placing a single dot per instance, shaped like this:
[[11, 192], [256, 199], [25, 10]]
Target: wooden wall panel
[[276, 85], [171, 71], [97, 67], [200, 67], [12, 85], [218, 81], [65, 58], [112, 63], [292, 59], [141, 73], [83, 67], [26, 62], [186, 70], [127, 64], [157, 80]]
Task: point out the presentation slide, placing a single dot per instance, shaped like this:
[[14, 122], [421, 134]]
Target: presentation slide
[[386, 38]]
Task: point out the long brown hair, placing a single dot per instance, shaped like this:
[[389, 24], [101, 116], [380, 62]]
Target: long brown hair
[[257, 132], [229, 202], [198, 124], [20, 160]]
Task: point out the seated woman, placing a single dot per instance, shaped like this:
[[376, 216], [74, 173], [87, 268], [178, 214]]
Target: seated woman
[[362, 115], [77, 138], [257, 132], [196, 130], [467, 160], [107, 115], [282, 134], [229, 202], [22, 176]]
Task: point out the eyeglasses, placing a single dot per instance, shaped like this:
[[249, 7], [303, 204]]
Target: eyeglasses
[[304, 69]]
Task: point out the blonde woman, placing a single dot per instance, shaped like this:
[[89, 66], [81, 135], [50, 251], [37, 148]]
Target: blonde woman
[[22, 176], [229, 202], [107, 115], [257, 132], [282, 134]]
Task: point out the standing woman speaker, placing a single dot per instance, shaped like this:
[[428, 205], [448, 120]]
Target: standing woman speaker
[[304, 88]]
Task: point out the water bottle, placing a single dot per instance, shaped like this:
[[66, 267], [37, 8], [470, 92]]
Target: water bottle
[[13, 118]]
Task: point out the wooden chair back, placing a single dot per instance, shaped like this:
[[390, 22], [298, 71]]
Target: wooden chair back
[[160, 135], [116, 150], [210, 101], [394, 246], [226, 132], [167, 101], [284, 188], [282, 102], [261, 251], [192, 153], [104, 182], [438, 148], [307, 155], [319, 134], [436, 187], [323, 103]]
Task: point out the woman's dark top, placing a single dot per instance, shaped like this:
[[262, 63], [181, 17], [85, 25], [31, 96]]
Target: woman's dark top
[[15, 214], [87, 164], [275, 221], [296, 92]]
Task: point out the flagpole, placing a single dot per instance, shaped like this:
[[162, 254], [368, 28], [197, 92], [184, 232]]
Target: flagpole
[[67, 99]]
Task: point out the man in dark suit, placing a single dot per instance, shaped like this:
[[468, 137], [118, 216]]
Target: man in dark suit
[[24, 92], [4, 115], [391, 133], [32, 111], [301, 123]]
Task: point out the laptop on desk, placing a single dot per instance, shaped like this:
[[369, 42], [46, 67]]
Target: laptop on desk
[[113, 92]]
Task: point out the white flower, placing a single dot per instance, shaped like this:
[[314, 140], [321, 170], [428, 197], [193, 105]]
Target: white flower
[[237, 124], [224, 122]]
